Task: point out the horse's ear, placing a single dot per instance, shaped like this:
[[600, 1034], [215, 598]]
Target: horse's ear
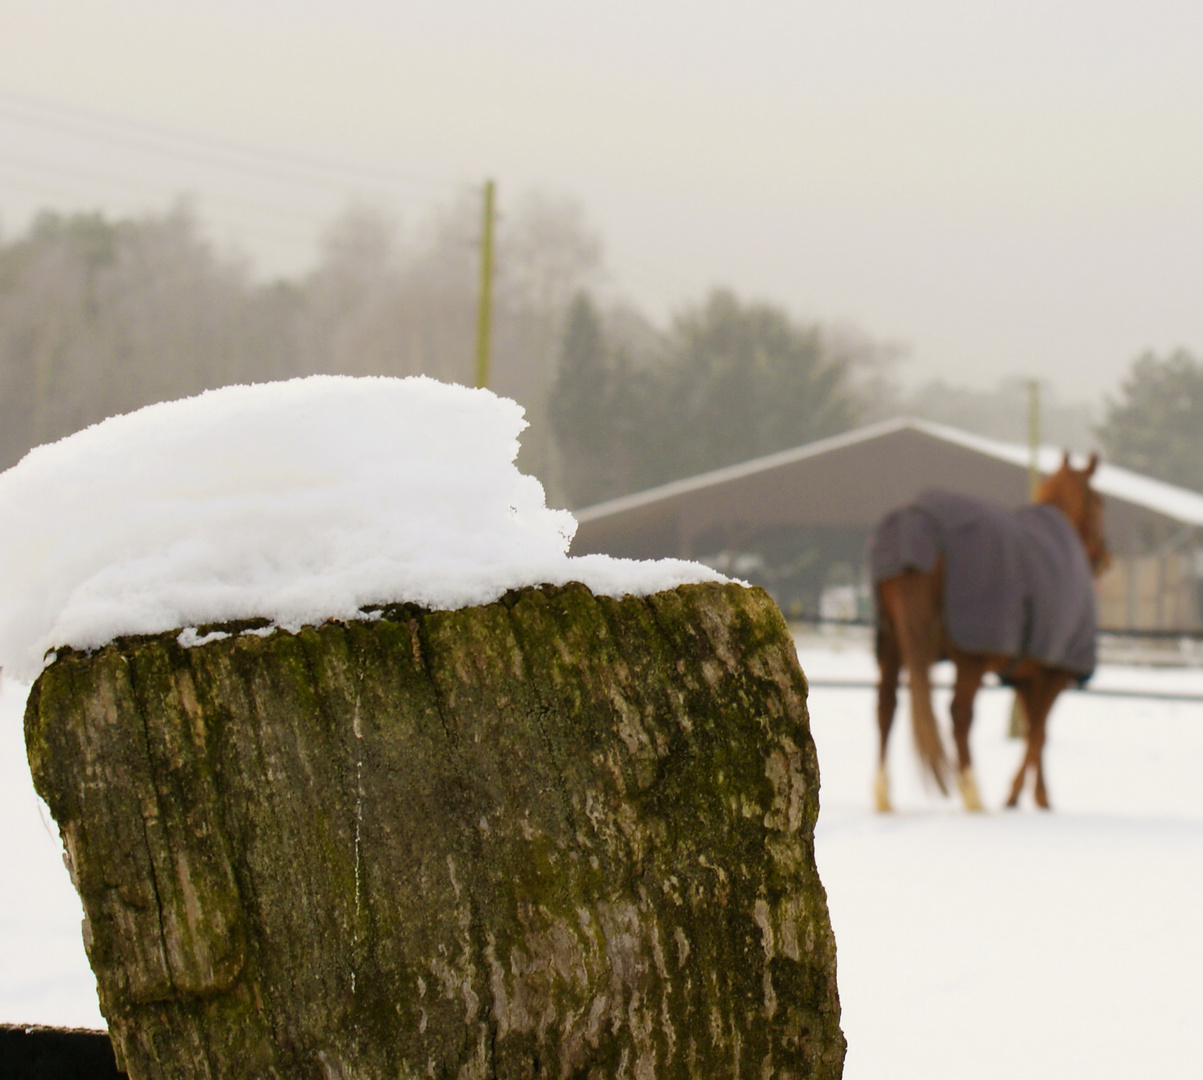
[[1091, 465], [1065, 459]]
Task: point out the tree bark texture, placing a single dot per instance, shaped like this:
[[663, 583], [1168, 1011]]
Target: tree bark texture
[[559, 835]]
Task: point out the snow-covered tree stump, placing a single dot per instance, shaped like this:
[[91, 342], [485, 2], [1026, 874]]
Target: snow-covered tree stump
[[559, 835]]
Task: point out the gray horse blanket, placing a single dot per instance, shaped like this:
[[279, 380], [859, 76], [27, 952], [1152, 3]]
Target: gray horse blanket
[[1016, 582]]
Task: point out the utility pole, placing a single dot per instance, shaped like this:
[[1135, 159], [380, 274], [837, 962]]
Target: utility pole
[[484, 315], [1019, 720], [1033, 437]]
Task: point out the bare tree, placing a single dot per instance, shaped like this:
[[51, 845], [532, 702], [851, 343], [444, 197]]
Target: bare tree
[[99, 317]]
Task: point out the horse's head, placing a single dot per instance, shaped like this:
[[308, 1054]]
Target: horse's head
[[1069, 490]]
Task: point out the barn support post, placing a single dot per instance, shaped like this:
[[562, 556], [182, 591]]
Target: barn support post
[[1133, 567]]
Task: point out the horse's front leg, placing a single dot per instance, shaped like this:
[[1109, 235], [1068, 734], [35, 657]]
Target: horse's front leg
[[970, 670]]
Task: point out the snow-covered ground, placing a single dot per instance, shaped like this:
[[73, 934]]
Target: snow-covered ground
[[1015, 944], [44, 974], [1020, 943]]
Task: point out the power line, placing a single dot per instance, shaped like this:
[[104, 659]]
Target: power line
[[42, 169], [58, 191], [308, 162], [146, 146], [267, 171]]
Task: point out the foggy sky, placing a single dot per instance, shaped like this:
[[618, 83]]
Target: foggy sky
[[1006, 189]]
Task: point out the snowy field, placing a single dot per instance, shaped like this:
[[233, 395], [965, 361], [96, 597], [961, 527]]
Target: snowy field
[[44, 974], [1013, 944], [1019, 943]]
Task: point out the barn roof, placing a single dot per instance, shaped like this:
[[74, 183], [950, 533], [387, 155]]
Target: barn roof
[[851, 480]]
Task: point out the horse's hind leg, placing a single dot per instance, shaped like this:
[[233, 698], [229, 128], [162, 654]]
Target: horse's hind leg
[[1038, 695], [1036, 738], [1025, 691], [889, 664], [970, 670], [1052, 685]]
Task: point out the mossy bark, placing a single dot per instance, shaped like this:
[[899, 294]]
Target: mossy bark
[[559, 835]]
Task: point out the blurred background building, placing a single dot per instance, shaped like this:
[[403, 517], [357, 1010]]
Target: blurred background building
[[797, 522]]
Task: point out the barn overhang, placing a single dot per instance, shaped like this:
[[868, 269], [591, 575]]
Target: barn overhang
[[850, 481]]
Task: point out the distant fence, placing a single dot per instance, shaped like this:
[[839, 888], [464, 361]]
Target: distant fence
[[1104, 631], [1112, 636], [1142, 695]]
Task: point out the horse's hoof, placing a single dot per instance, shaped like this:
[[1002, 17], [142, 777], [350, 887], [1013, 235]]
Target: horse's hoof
[[969, 793], [881, 792]]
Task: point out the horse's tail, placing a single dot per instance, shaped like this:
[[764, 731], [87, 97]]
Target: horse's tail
[[928, 745], [910, 603]]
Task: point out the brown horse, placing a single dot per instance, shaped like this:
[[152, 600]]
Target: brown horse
[[913, 633]]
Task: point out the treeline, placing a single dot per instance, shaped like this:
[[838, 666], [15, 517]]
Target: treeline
[[729, 381], [99, 317], [1155, 425]]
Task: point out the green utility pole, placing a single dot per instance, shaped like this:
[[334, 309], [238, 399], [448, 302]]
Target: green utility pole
[[484, 316], [1033, 437], [1019, 720]]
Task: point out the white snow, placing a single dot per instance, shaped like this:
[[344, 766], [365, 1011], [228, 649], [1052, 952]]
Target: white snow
[[1018, 943], [295, 501], [1012, 944], [44, 974]]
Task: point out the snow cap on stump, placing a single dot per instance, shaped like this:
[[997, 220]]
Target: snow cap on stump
[[296, 502]]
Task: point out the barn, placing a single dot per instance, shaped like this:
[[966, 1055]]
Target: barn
[[797, 521]]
